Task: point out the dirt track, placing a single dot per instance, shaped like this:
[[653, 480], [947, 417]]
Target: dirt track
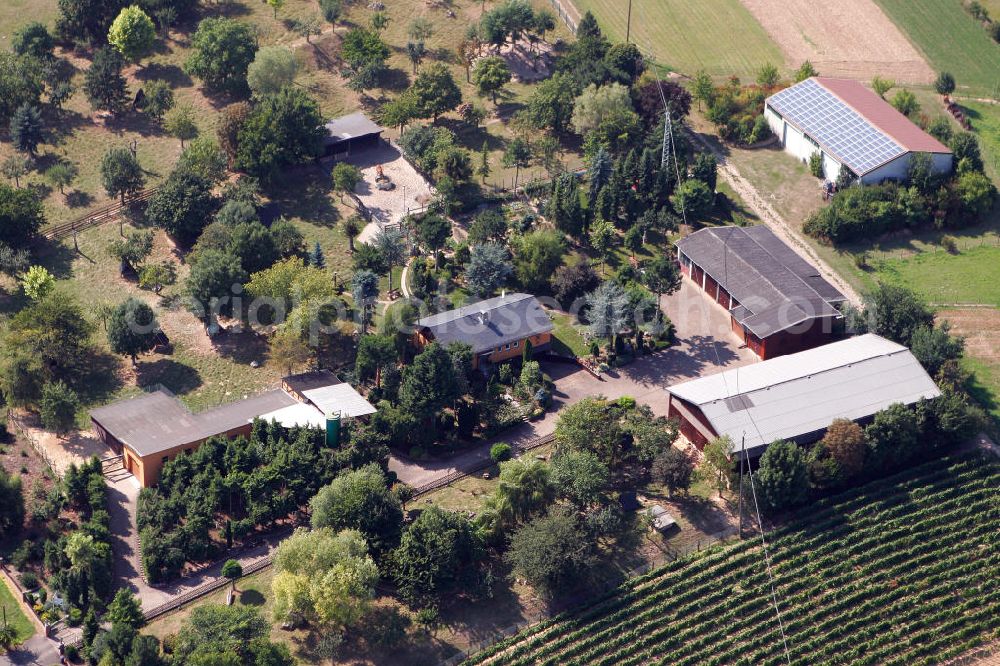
[[849, 38]]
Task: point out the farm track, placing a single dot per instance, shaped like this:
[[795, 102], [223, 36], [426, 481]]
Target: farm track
[[903, 571]]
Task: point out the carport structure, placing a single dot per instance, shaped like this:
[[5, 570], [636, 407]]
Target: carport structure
[[351, 134]]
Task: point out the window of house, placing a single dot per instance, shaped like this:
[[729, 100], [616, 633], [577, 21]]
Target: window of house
[[515, 343], [165, 459]]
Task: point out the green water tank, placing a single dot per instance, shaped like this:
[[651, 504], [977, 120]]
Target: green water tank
[[333, 430]]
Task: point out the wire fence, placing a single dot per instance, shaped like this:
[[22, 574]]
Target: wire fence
[[568, 13], [946, 244], [35, 444]]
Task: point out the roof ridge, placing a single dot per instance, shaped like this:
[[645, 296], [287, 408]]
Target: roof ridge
[[763, 276], [810, 375], [905, 145]]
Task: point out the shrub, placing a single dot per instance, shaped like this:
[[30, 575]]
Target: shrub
[[950, 244], [29, 580], [816, 164], [72, 653], [500, 451]]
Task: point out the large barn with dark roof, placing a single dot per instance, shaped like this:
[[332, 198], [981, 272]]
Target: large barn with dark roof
[[850, 126], [778, 302]]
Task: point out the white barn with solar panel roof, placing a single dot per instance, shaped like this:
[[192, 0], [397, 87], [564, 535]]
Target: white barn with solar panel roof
[[850, 125]]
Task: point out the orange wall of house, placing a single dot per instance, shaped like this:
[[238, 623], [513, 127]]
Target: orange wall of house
[[514, 352], [149, 467]]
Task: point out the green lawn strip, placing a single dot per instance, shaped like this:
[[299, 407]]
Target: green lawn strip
[[951, 40], [15, 614], [985, 119], [689, 36], [970, 276], [566, 338], [985, 384]]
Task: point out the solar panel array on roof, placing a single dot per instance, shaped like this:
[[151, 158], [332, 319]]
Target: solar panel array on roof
[[839, 129]]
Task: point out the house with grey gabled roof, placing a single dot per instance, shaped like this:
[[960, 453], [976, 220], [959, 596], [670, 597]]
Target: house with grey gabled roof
[[496, 328], [778, 302], [797, 397]]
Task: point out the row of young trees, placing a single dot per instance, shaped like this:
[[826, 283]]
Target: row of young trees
[[239, 486]]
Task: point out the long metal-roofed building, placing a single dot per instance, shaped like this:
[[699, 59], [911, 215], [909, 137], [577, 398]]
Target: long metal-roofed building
[[797, 397], [777, 301], [153, 428], [496, 328], [850, 126]]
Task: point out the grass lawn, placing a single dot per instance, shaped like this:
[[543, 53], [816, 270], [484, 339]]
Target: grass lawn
[[971, 276], [253, 590], [15, 613], [951, 40], [985, 119], [567, 338], [689, 36]]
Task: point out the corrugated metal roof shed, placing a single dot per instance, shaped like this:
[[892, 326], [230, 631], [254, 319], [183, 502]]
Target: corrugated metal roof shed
[[300, 414], [339, 399], [488, 324], [776, 288], [793, 397]]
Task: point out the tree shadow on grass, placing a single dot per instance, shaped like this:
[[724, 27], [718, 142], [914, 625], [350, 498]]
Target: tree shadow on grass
[[251, 598], [56, 256], [172, 74], [305, 194], [394, 80], [176, 376], [101, 379], [79, 199], [243, 348]]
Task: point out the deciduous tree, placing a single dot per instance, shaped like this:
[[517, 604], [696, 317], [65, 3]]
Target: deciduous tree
[[438, 554], [132, 33], [121, 173], [222, 52], [551, 552], [58, 406], [360, 500], [783, 476], [132, 328], [490, 75], [273, 68]]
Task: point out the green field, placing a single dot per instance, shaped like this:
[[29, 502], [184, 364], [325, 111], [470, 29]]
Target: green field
[[972, 276], [688, 36], [951, 40], [985, 119], [15, 614], [901, 571]]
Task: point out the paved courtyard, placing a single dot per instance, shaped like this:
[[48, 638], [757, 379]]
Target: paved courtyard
[[412, 190], [705, 345]]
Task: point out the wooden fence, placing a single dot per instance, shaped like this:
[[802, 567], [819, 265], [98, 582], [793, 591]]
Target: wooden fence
[[484, 464], [96, 218]]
